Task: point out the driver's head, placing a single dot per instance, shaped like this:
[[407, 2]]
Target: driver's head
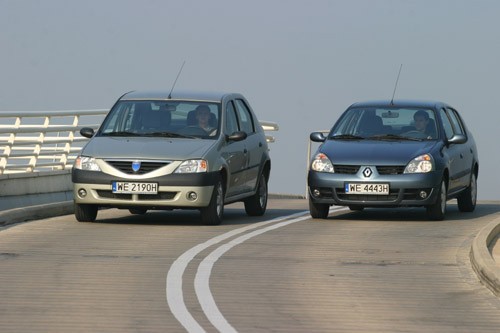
[[202, 112], [421, 118]]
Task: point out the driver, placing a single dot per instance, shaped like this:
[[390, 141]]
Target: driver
[[203, 117], [421, 121]]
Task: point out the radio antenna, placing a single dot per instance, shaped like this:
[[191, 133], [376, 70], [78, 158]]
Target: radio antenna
[[173, 85], [396, 85]]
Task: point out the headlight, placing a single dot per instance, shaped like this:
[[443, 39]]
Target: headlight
[[86, 163], [420, 164], [321, 163], [192, 166]]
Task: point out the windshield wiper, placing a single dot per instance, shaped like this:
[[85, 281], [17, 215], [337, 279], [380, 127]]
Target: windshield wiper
[[393, 137], [346, 137], [170, 135], [123, 133]]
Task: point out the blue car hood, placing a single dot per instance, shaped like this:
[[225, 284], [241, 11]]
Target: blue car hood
[[371, 152], [146, 148]]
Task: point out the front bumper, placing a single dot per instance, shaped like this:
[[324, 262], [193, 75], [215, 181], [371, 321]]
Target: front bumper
[[405, 189], [172, 193]]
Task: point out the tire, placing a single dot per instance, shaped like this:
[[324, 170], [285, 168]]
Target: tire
[[257, 203], [318, 210], [85, 213], [137, 211], [467, 199], [212, 214], [356, 208], [437, 211]]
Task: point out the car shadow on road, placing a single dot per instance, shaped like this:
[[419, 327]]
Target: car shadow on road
[[232, 216], [414, 214]]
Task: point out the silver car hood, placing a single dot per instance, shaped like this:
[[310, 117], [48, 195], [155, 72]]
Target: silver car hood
[[146, 148]]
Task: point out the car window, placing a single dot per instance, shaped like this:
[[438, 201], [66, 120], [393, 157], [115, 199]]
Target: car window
[[163, 118], [244, 117], [457, 124], [231, 119], [448, 127], [373, 122]]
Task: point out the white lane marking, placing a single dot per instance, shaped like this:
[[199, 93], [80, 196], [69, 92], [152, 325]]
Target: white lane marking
[[201, 281], [202, 278], [175, 296]]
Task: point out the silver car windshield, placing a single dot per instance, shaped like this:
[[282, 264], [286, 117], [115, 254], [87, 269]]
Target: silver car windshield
[[386, 124], [173, 118]]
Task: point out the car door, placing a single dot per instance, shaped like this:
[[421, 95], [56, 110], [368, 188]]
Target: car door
[[254, 144], [234, 153], [454, 152], [466, 151]]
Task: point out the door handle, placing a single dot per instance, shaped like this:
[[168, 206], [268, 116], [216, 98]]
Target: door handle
[[245, 151]]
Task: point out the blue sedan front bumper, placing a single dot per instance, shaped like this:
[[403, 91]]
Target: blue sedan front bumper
[[404, 189]]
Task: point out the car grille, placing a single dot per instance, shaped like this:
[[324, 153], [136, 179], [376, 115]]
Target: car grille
[[390, 170], [141, 197], [126, 166], [346, 169], [382, 170]]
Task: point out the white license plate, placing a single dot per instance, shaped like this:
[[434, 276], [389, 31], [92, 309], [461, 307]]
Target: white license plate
[[134, 188], [366, 188]]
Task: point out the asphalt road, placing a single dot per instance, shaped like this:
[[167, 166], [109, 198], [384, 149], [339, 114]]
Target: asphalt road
[[372, 271]]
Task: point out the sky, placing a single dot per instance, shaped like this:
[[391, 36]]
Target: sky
[[299, 63]]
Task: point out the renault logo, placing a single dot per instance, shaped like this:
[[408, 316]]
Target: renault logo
[[136, 165], [367, 172]]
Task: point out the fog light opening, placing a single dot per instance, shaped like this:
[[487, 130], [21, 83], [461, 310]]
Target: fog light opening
[[316, 192], [423, 194], [82, 193], [192, 196]]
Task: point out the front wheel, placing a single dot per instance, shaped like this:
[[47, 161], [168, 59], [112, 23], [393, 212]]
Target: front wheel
[[257, 203], [85, 212], [318, 210], [212, 214], [467, 199], [437, 211]]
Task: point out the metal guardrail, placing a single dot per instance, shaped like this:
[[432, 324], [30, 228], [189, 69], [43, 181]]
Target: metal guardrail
[[32, 141], [43, 140]]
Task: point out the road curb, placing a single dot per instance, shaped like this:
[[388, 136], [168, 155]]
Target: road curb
[[23, 214], [486, 268]]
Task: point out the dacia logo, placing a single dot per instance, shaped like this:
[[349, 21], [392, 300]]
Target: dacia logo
[[367, 172], [136, 166]]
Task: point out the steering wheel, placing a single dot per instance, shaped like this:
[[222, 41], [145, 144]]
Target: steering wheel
[[192, 130], [415, 134]]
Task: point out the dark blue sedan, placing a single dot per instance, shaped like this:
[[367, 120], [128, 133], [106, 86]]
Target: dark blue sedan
[[395, 154]]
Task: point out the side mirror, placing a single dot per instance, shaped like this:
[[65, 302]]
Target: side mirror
[[237, 136], [457, 139], [317, 137], [87, 132]]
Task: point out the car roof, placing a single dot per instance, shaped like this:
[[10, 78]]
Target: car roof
[[176, 95], [401, 104]]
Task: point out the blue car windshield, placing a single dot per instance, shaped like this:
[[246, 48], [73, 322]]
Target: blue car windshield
[[386, 124], [173, 118]]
